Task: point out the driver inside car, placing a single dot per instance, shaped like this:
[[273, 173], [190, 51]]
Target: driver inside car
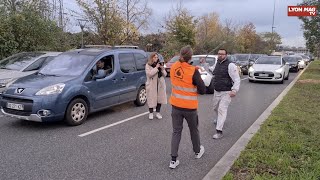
[[100, 71]]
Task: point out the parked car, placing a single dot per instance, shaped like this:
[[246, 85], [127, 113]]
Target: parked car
[[306, 59], [302, 63], [22, 64], [204, 71], [269, 68], [68, 88], [233, 59], [254, 57], [167, 66], [293, 62], [210, 59], [242, 60]]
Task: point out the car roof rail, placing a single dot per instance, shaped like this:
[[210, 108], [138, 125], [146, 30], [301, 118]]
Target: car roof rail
[[125, 47], [97, 46]]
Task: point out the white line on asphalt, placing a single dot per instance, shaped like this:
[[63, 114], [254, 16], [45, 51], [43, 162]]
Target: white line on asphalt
[[111, 125], [244, 79]]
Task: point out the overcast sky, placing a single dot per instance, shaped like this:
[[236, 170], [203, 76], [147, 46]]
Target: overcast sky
[[259, 12]]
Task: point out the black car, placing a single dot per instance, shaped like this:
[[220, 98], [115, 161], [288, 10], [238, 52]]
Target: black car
[[243, 60], [293, 61]]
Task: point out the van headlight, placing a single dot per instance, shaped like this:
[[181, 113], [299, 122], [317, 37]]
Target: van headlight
[[279, 70], [54, 89]]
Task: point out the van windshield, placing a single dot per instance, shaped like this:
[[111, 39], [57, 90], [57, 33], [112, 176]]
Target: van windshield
[[67, 65]]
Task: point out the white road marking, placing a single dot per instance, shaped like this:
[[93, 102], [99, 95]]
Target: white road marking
[[111, 125], [244, 79]]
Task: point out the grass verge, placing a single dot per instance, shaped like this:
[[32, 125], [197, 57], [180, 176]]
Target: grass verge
[[287, 146]]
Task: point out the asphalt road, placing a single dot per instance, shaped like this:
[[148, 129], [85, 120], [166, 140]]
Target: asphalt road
[[137, 148]]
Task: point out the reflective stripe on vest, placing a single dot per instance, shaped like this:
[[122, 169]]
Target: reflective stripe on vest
[[179, 88], [185, 97]]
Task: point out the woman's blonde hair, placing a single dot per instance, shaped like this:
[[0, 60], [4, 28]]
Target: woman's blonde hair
[[150, 60]]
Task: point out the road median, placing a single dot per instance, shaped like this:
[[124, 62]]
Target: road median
[[287, 143]]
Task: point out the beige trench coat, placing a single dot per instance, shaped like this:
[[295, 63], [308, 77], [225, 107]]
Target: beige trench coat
[[154, 96]]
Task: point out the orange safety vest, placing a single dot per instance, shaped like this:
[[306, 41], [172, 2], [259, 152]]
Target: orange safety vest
[[184, 93]]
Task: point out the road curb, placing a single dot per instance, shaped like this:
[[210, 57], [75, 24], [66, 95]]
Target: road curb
[[225, 163]]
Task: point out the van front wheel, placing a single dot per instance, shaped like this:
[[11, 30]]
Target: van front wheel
[[141, 98], [77, 112]]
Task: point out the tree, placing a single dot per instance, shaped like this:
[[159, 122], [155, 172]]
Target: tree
[[106, 19], [272, 40], [23, 27], [246, 38], [116, 21], [137, 14], [311, 26], [181, 30], [208, 33]]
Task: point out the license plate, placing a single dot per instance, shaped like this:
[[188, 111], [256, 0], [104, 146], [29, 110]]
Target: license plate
[[15, 106], [264, 75]]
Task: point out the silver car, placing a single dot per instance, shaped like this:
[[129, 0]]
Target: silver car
[[22, 64], [269, 68]]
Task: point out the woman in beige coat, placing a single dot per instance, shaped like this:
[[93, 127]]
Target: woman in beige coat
[[155, 85]]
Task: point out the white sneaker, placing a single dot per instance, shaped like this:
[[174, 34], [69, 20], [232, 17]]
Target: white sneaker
[[158, 115], [217, 136], [173, 164], [150, 116], [199, 155]]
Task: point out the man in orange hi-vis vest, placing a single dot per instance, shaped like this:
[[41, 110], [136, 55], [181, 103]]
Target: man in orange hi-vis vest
[[186, 84]]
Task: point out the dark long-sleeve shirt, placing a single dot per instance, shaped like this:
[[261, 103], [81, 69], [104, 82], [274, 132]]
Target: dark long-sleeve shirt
[[197, 81]]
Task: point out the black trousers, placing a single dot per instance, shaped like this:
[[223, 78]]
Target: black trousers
[[191, 117], [157, 108]]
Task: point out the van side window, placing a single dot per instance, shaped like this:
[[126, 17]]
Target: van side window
[[141, 61], [103, 67], [127, 63]]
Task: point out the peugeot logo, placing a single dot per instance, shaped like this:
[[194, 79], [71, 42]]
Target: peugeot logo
[[19, 90]]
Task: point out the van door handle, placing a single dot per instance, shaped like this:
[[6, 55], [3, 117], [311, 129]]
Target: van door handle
[[123, 78]]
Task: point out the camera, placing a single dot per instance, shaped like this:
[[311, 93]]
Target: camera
[[161, 63]]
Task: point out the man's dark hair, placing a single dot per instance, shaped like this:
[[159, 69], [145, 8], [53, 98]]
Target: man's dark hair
[[223, 50]]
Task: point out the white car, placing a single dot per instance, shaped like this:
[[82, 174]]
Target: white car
[[204, 70], [302, 63], [22, 64], [269, 68]]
